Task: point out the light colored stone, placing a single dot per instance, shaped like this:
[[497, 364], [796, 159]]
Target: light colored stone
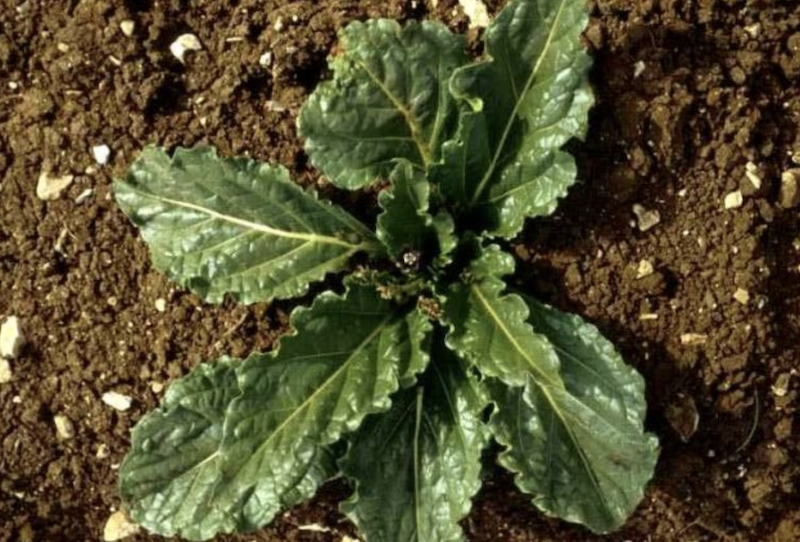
[[184, 43], [639, 68], [781, 386], [691, 339], [161, 304], [734, 200], [127, 26], [751, 172], [157, 387], [117, 401], [49, 188], [753, 29], [265, 60], [789, 196], [742, 296], [11, 338], [476, 12], [101, 154], [645, 269], [5, 371], [646, 219], [102, 451], [85, 195], [119, 526], [64, 427]]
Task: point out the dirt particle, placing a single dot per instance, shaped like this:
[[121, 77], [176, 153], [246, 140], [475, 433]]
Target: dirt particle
[[781, 386], [682, 415], [50, 188], [693, 339], [646, 219], [644, 269], [742, 296], [119, 526], [127, 26], [11, 338], [734, 200], [101, 154], [752, 174], [161, 304], [65, 429], [117, 401], [5, 371], [183, 44], [789, 196]]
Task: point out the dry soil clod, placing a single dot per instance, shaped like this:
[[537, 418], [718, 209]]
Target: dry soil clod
[[184, 43], [11, 338], [50, 188], [646, 219], [119, 526], [789, 195], [65, 429]]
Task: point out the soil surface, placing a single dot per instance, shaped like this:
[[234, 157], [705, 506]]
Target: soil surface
[[696, 100]]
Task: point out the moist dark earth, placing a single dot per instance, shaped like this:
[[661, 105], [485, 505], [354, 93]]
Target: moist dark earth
[[697, 99]]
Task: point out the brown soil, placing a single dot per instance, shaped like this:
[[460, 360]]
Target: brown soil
[[719, 88]]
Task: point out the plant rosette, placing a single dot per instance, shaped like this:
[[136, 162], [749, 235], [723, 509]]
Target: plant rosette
[[399, 380]]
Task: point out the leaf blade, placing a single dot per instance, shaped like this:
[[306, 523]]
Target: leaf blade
[[420, 492], [537, 58], [292, 404], [233, 226], [388, 101], [580, 450]]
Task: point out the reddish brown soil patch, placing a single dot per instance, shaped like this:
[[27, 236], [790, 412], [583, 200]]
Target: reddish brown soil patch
[[719, 88]]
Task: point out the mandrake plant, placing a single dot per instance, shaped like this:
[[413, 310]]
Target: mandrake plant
[[400, 380]]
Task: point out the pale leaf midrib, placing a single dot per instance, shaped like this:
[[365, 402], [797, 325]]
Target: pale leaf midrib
[[414, 128], [262, 228], [511, 338], [308, 401], [515, 112]]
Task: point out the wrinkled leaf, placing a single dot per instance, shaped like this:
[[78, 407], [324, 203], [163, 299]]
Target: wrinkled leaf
[[388, 100], [226, 454], [569, 411], [417, 467], [534, 95], [233, 226], [581, 451], [489, 328], [406, 225]]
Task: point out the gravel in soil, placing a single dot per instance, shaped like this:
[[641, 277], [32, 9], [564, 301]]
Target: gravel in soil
[[697, 101]]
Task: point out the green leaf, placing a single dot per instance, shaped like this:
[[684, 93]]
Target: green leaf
[[406, 223], [535, 96], [226, 454], [489, 328], [580, 450], [388, 100], [234, 226], [569, 411], [417, 467]]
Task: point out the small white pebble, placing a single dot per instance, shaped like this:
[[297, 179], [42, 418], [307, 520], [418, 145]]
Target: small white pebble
[[13, 85], [161, 304], [83, 196], [117, 401], [184, 43], [265, 60], [278, 26], [62, 47], [102, 451], [64, 427], [638, 68], [734, 200], [646, 219], [119, 526], [5, 371], [127, 26], [476, 12], [751, 172], [157, 387], [648, 316], [742, 296], [101, 154], [645, 269], [753, 30], [314, 528], [11, 338], [693, 338], [49, 188]]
